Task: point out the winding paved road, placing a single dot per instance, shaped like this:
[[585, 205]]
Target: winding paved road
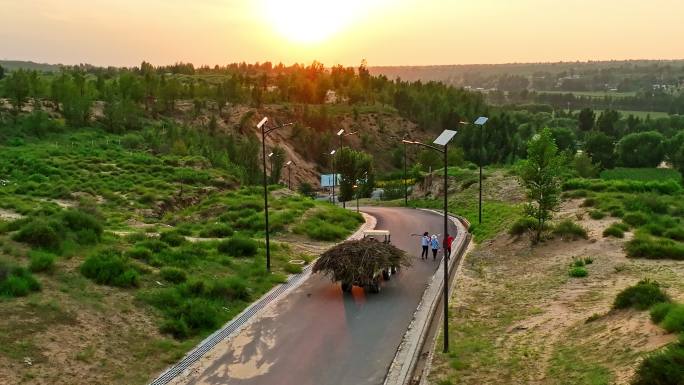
[[318, 336]]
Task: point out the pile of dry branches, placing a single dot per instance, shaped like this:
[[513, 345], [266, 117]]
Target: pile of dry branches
[[356, 261]]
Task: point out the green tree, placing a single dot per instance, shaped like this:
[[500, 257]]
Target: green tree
[[642, 149], [600, 147], [277, 162], [351, 165], [18, 88], [586, 119], [2, 72], [540, 175], [584, 166], [564, 138], [607, 122]]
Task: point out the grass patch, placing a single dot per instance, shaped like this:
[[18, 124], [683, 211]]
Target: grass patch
[[41, 261], [641, 174], [616, 230], [597, 214], [16, 282], [578, 272], [663, 368], [641, 296], [643, 246], [109, 267], [673, 321], [568, 229], [238, 247]]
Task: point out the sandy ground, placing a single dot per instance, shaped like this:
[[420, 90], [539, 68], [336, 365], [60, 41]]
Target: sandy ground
[[520, 319]]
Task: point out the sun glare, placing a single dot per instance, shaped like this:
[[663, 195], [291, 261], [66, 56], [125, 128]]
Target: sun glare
[[311, 21]]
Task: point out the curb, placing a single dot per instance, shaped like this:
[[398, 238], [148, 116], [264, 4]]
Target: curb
[[250, 314], [408, 354]]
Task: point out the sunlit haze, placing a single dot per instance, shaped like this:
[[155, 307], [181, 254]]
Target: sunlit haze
[[397, 32]]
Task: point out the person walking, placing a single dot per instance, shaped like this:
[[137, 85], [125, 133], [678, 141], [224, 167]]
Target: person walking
[[434, 242], [448, 240], [424, 244]]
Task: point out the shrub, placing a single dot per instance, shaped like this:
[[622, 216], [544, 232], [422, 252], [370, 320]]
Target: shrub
[[238, 247], [293, 269], [676, 233], [570, 229], [139, 253], [522, 226], [578, 263], [662, 368], [578, 272], [39, 233], [660, 310], [674, 319], [109, 267], [635, 219], [41, 261], [640, 296], [153, 245], [232, 288], [654, 248], [217, 230], [87, 227], [173, 274], [588, 260], [589, 202], [614, 231], [597, 214], [16, 282], [172, 238]]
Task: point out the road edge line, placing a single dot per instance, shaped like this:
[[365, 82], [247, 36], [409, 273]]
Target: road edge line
[[257, 308]]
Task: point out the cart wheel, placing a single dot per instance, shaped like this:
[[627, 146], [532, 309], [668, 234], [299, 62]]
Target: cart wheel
[[374, 287], [346, 287], [386, 274], [394, 270]]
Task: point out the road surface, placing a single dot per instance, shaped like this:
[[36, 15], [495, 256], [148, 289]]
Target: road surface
[[318, 336]]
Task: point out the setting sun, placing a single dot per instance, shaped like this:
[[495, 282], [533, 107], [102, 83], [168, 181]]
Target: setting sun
[[311, 21]]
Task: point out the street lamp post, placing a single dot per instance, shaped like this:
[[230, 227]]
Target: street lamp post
[[480, 122], [264, 132], [340, 134], [289, 174], [332, 162], [405, 176], [443, 140]]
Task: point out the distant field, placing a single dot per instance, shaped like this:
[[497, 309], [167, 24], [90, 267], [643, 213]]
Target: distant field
[[642, 174], [592, 94], [644, 114]]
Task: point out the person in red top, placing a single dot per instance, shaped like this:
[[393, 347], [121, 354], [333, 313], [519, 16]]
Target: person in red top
[[448, 240]]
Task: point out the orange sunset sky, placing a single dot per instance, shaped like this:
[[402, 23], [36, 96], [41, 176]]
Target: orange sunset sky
[[385, 32]]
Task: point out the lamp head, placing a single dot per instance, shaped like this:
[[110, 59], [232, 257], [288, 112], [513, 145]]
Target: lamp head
[[262, 122]]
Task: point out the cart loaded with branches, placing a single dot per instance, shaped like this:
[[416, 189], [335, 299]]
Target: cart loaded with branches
[[364, 263]]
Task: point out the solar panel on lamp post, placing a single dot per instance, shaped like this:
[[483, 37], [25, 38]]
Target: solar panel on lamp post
[[480, 122], [264, 132], [443, 140]]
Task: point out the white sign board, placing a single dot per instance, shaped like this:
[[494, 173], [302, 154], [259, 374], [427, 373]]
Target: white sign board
[[327, 180]]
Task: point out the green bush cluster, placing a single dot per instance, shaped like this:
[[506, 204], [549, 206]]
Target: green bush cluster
[[569, 229], [641, 296], [50, 232], [238, 247], [172, 238], [41, 261], [616, 230], [216, 230], [597, 214], [578, 272], [522, 226], [628, 186], [329, 224], [643, 246], [110, 267], [196, 305], [173, 274], [662, 368], [16, 282]]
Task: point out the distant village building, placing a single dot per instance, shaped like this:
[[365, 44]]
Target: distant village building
[[331, 97]]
